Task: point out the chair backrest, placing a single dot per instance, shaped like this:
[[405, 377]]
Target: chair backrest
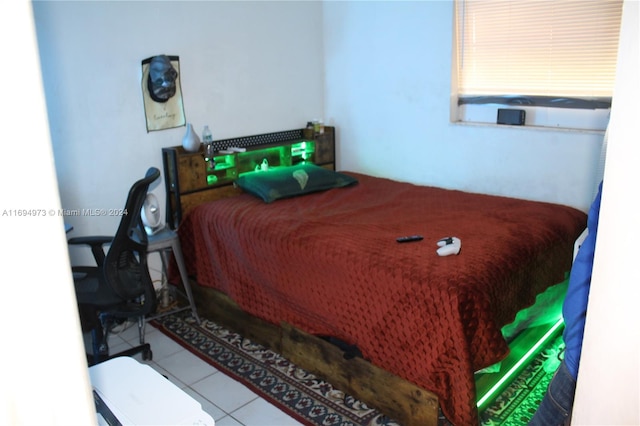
[[125, 266]]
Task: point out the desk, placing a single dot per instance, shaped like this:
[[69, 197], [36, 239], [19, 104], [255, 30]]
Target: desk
[[136, 394]]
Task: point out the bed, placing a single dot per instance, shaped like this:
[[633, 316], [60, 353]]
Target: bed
[[327, 264]]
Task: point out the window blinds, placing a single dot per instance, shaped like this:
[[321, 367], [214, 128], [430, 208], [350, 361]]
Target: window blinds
[[561, 48]]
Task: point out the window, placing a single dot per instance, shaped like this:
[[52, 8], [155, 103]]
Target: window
[[551, 54]]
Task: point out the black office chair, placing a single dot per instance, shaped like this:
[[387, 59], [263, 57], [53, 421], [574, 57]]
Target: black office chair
[[119, 286]]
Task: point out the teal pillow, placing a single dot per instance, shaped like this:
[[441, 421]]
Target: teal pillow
[[285, 182]]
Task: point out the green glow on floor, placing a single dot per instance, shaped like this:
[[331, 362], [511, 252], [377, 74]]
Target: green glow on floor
[[503, 380]]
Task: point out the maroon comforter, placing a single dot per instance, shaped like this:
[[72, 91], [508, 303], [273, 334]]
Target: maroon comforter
[[328, 263]]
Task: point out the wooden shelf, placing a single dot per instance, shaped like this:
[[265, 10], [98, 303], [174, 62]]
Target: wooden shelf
[[189, 179]]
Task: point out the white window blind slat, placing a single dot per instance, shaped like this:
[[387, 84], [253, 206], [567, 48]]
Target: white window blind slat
[[564, 48]]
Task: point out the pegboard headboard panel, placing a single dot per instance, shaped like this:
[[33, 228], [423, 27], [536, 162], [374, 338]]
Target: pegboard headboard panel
[[263, 139]]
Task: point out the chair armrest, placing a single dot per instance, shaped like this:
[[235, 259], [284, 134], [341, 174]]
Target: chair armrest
[[91, 240], [96, 242]]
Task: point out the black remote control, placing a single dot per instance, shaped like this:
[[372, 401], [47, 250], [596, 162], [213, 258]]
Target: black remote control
[[409, 238]]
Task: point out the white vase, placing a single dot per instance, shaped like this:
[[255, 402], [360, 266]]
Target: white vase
[[191, 141]]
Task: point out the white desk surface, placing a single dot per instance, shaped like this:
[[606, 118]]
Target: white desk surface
[[139, 395]]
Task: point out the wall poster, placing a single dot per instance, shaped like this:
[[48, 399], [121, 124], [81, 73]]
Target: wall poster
[[162, 93]]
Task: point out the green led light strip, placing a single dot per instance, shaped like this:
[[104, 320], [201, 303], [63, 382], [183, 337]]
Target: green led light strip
[[512, 371]]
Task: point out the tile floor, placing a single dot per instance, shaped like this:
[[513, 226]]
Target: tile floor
[[230, 403]]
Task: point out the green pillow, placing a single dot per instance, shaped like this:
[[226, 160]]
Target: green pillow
[[284, 182]]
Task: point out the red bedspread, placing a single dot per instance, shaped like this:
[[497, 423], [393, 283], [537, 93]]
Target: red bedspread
[[328, 263]]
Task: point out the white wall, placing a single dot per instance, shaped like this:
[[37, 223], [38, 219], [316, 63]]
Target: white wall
[[44, 376], [388, 88], [608, 389], [246, 68]]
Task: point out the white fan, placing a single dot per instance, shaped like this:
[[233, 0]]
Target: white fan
[[151, 214]]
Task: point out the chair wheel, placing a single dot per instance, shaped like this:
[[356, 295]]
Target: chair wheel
[[147, 355]]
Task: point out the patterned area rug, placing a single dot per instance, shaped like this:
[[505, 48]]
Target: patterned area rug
[[300, 394], [315, 402]]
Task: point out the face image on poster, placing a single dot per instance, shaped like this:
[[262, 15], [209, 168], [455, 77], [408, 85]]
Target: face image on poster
[[162, 93]]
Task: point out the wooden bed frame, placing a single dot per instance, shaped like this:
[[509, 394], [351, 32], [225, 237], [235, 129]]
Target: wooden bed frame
[[190, 181], [395, 397]]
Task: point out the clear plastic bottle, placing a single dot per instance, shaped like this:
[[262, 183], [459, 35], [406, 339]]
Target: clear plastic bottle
[[207, 137]]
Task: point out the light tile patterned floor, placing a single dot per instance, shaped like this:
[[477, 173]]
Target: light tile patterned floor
[[230, 403]]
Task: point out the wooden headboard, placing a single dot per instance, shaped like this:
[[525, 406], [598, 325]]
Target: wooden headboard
[[190, 180]]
